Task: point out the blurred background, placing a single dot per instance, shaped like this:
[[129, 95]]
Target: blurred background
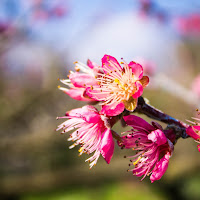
[[39, 41]]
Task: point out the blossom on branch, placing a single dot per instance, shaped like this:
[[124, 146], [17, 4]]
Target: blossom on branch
[[118, 87], [153, 148], [93, 133]]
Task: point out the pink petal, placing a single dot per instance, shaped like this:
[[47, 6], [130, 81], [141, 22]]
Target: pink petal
[[198, 146], [91, 64], [109, 64], [82, 111], [136, 69], [160, 168], [139, 91], [138, 122], [81, 80], [113, 109], [88, 113], [77, 93], [158, 137], [191, 132], [107, 145], [95, 94], [96, 68]]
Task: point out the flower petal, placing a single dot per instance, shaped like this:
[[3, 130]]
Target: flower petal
[[113, 109], [76, 93], [94, 93], [144, 81], [198, 146], [160, 168], [137, 122], [136, 69], [109, 64], [157, 137], [81, 80], [139, 91], [89, 113], [192, 133], [107, 145], [91, 64]]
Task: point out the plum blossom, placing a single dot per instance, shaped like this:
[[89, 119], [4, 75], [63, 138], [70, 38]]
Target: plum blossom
[[194, 131], [153, 148], [118, 87], [92, 133], [78, 82]]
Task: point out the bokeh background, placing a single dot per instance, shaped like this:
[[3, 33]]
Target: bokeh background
[[39, 41]]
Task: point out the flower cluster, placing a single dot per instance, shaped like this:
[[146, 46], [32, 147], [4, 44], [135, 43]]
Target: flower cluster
[[153, 148], [118, 88], [92, 133]]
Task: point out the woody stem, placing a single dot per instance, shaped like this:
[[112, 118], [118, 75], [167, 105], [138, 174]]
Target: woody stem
[[156, 114]]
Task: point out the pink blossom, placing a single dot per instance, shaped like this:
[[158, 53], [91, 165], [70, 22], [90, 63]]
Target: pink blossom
[[196, 86], [118, 87], [149, 67], [59, 11], [153, 148], [189, 25], [145, 8], [194, 131], [78, 82], [92, 132]]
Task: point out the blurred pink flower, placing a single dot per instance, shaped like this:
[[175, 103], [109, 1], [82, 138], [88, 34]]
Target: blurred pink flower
[[59, 11], [78, 82], [118, 87], [93, 133], [40, 14], [196, 86], [153, 148], [145, 8], [189, 25], [194, 131], [148, 66]]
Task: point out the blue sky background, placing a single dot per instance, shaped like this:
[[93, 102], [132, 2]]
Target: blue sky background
[[92, 28]]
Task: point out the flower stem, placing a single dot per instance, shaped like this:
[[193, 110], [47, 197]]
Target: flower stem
[[156, 114]]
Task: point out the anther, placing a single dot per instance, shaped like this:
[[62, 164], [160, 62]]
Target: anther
[[77, 68]]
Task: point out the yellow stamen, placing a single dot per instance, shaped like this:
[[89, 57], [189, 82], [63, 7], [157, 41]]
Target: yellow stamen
[[117, 81], [135, 163], [81, 149]]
